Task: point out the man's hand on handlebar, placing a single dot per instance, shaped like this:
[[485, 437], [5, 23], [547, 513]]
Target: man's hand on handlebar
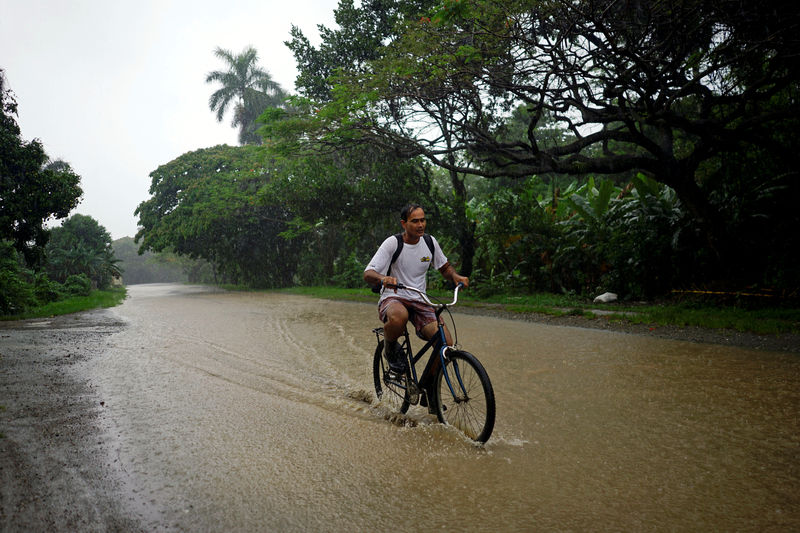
[[461, 279], [390, 282]]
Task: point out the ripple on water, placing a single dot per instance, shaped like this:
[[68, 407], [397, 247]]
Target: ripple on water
[[256, 411]]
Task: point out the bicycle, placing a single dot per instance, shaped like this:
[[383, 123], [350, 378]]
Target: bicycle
[[454, 384]]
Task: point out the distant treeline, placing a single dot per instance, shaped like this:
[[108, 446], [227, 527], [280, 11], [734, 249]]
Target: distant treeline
[[152, 267]]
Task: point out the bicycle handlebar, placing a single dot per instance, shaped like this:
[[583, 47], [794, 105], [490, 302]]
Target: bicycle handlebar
[[424, 296]]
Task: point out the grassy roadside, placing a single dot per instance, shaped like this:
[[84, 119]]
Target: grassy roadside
[[764, 321], [74, 304]]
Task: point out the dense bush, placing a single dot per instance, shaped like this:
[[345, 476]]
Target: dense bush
[[349, 271], [78, 285], [81, 246], [584, 240], [47, 290], [16, 292], [22, 289], [516, 236]]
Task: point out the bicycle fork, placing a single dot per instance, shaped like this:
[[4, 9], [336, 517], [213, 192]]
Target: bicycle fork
[[461, 395]]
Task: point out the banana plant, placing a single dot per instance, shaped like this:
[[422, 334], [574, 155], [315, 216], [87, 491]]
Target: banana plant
[[592, 200]]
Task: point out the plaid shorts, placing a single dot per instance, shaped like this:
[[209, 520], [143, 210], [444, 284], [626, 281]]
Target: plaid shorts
[[419, 313]]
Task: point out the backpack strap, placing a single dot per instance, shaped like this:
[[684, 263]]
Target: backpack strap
[[429, 242], [396, 254]]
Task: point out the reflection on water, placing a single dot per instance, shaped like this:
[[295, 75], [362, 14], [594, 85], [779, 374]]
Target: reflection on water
[[245, 411]]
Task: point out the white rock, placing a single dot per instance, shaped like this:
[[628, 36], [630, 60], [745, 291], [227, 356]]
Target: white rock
[[606, 297]]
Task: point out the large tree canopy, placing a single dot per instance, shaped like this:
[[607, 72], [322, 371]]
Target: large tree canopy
[[662, 87], [204, 205], [353, 48], [358, 39], [689, 107], [32, 189]]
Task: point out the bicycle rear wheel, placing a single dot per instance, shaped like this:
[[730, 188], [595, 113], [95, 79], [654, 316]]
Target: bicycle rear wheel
[[391, 392], [472, 409]]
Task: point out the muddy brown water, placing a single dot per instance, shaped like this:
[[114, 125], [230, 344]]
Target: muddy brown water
[[241, 411]]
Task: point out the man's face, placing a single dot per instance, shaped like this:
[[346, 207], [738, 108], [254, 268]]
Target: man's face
[[415, 225]]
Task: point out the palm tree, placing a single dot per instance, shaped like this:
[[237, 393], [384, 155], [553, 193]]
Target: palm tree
[[248, 87]]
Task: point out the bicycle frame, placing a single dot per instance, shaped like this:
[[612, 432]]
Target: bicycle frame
[[438, 342]]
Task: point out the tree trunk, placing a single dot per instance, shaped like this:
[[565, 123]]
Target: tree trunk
[[465, 229], [709, 220]]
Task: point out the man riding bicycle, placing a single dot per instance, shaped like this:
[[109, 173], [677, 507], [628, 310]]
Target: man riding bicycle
[[405, 258]]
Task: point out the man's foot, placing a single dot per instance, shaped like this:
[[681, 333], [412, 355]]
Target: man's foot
[[396, 358]]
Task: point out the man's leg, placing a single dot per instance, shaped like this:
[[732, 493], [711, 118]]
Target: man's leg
[[430, 329], [396, 320]]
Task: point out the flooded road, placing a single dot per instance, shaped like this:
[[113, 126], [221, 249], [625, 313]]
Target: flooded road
[[244, 412]]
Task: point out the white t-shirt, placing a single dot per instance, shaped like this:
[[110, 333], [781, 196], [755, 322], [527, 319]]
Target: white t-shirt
[[411, 265]]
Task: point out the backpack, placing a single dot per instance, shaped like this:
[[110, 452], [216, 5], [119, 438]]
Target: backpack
[[399, 236]]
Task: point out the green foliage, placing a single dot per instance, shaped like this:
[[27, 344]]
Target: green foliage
[[645, 245], [247, 88], [349, 272], [345, 79], [360, 37], [78, 285], [81, 246], [24, 294], [16, 292], [72, 304], [516, 234], [342, 198], [596, 237], [32, 189], [719, 89], [210, 204], [46, 290], [415, 100]]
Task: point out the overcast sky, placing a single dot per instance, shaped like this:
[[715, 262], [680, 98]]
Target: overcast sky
[[118, 88]]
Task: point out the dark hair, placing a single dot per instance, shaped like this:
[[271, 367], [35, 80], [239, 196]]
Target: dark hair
[[408, 209]]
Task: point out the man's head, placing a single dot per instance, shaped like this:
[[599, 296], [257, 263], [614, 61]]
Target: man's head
[[412, 218], [408, 209]]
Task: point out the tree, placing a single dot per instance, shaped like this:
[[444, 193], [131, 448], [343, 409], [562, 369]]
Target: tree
[[81, 246], [665, 88], [204, 204], [360, 38], [351, 50], [342, 200], [245, 86], [165, 267], [32, 191]]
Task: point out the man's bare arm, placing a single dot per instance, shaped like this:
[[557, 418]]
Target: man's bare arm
[[374, 278], [450, 273]]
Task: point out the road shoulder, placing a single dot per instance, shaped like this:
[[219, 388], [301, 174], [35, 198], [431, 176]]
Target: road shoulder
[[57, 453]]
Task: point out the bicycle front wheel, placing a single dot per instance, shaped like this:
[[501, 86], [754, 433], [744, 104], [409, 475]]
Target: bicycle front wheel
[[389, 391], [464, 396]]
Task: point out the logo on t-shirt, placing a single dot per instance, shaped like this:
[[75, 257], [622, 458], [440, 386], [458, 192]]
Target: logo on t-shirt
[[425, 259]]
